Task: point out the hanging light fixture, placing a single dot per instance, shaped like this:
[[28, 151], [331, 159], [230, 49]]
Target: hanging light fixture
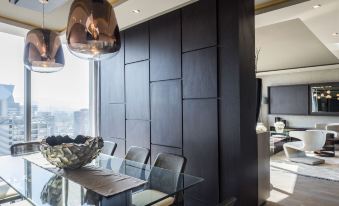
[[43, 49], [92, 30]]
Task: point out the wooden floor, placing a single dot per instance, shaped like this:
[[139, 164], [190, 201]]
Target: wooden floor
[[289, 189]]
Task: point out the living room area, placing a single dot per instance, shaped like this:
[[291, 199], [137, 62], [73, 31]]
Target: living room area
[[297, 67]]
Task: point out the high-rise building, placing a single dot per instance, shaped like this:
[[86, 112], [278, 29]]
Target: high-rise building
[[80, 123]]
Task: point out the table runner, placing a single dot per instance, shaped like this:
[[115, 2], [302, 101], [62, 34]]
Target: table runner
[[102, 181]]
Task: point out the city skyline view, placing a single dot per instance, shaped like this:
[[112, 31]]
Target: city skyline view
[[60, 101], [67, 89]]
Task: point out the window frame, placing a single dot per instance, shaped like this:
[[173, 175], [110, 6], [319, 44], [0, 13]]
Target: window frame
[[94, 100]]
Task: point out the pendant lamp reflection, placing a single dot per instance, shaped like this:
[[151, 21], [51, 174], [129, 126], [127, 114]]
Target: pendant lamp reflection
[[43, 51], [92, 30]]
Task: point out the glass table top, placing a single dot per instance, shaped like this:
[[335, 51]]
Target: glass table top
[[42, 187]]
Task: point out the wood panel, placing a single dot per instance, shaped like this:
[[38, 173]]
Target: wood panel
[[113, 120], [199, 25], [138, 133], [200, 73], [166, 107], [237, 90], [156, 149], [112, 77], [165, 47], [137, 90], [293, 99], [190, 201], [201, 134], [137, 43]]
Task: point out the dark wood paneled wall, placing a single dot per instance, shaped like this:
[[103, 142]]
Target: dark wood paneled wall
[[166, 90]]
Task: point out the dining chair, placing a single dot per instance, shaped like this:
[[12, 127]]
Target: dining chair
[[109, 148], [162, 181], [25, 148], [138, 154], [136, 158]]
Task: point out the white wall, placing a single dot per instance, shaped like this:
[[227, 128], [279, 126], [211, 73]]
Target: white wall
[[298, 78]]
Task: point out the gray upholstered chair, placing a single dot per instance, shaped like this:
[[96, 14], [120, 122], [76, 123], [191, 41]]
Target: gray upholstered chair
[[137, 154], [109, 148], [159, 183], [136, 158], [25, 148]]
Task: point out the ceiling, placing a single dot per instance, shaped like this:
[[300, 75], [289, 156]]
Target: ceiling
[[290, 44], [298, 36], [27, 14]]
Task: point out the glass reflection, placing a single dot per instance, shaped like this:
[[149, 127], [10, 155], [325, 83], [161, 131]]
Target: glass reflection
[[92, 30], [43, 51], [325, 98]]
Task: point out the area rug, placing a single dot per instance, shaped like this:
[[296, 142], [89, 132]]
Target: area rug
[[327, 171]]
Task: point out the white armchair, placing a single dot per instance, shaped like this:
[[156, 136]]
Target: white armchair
[[311, 140]]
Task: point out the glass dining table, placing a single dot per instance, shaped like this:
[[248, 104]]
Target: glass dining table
[[41, 186]]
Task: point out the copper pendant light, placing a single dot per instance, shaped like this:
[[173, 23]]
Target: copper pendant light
[[43, 50], [92, 30]]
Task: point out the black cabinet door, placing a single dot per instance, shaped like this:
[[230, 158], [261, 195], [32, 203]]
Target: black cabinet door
[[137, 43], [165, 47], [112, 77], [112, 120], [200, 73], [137, 90], [201, 147], [166, 107], [199, 25], [292, 99]]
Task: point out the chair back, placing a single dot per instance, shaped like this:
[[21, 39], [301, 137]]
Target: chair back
[[109, 148], [313, 139], [136, 158], [138, 154], [24, 148], [168, 178]]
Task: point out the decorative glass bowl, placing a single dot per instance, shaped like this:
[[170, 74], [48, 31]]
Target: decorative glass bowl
[[67, 153]]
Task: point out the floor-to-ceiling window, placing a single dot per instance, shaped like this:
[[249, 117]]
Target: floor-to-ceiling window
[[11, 91], [60, 101]]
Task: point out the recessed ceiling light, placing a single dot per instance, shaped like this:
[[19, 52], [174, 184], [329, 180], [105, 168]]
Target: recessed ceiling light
[[137, 11], [316, 6], [335, 34]]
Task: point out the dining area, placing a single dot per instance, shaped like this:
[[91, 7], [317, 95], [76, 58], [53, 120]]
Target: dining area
[[28, 178], [134, 103]]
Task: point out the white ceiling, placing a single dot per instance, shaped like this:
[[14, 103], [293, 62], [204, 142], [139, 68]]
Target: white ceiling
[[57, 19], [321, 23], [290, 44]]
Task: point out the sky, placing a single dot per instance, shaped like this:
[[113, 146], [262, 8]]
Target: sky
[[67, 89]]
